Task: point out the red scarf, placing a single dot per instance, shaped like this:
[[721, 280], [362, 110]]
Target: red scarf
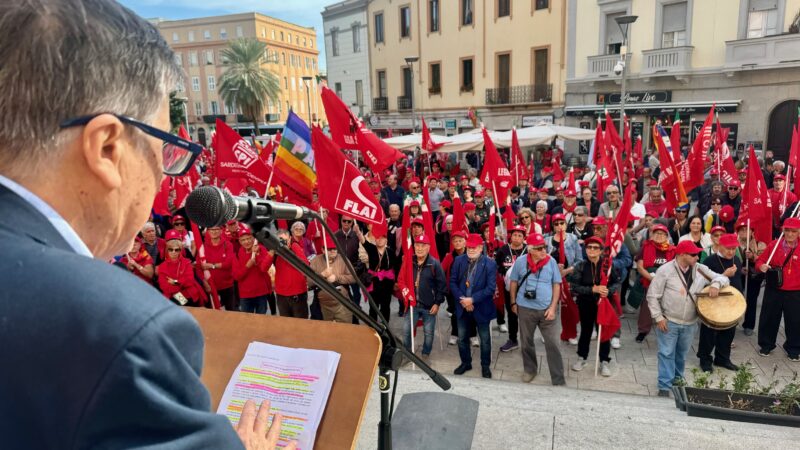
[[569, 209], [535, 266]]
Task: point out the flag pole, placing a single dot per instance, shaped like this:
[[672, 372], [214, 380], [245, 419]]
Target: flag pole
[[781, 235], [413, 331], [324, 241], [597, 352], [497, 208], [746, 259]]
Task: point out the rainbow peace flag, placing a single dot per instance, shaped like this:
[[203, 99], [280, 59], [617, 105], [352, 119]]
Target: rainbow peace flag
[[294, 160]]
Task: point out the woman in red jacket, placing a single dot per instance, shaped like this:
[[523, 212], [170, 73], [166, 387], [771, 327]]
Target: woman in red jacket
[[655, 253], [139, 262], [176, 274], [219, 262], [251, 270], [291, 287]]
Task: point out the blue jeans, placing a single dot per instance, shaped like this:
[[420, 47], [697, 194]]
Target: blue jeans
[[465, 323], [256, 305], [673, 346], [428, 327]]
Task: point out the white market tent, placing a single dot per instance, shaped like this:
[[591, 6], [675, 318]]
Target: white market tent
[[473, 139]]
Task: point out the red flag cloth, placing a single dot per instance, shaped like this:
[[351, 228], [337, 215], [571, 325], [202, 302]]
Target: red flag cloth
[[237, 159], [693, 168], [459, 217], [517, 167], [558, 174], [183, 186], [342, 187], [427, 219], [161, 201], [756, 202], [236, 186], [495, 174], [638, 155], [613, 147], [604, 169], [627, 156], [405, 280], [183, 134], [722, 156], [608, 319], [427, 142], [616, 232], [570, 317], [795, 150], [200, 259], [571, 181], [349, 133], [530, 173], [669, 179], [675, 139]]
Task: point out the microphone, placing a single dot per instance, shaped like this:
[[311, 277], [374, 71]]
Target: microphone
[[210, 206]]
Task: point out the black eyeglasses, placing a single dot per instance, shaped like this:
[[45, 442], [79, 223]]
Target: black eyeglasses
[[733, 188], [593, 247], [178, 155], [525, 217], [178, 224], [538, 249], [173, 250]]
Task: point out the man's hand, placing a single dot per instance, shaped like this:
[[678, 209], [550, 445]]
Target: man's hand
[[730, 271], [713, 292], [252, 428], [764, 267], [550, 313], [434, 310], [600, 289], [207, 266], [466, 302], [662, 325], [331, 278]]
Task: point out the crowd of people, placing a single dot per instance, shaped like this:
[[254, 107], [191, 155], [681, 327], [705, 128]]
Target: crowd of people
[[514, 274]]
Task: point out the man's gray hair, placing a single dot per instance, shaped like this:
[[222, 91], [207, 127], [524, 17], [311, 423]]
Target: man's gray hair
[[148, 226], [68, 58]]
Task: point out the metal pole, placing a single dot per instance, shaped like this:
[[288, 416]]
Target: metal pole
[[413, 106], [308, 98], [186, 114], [622, 94]]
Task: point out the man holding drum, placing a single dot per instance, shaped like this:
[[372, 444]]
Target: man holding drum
[[672, 297]]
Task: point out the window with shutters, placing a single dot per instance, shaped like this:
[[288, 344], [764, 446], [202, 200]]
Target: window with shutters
[[382, 88], [192, 58], [378, 28], [466, 75], [198, 108], [673, 31], [209, 57], [212, 83], [356, 38], [613, 39], [207, 35], [214, 107], [433, 16], [338, 89], [196, 84], [223, 33], [762, 18], [542, 4], [467, 12], [335, 42], [503, 8], [435, 78], [405, 21]]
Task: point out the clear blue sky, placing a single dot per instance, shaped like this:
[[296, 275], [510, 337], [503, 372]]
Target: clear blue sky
[[301, 12]]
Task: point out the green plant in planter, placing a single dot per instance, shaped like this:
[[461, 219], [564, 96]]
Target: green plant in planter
[[702, 380], [788, 398], [769, 389], [723, 382], [744, 380]]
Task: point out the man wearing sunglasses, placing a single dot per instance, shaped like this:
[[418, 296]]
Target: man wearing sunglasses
[[92, 355], [734, 197]]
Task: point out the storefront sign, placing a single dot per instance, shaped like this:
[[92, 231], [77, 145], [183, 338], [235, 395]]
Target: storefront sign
[[465, 123], [613, 98], [530, 121], [390, 122], [450, 123], [434, 124]]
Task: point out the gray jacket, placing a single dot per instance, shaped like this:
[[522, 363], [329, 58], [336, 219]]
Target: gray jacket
[[666, 295]]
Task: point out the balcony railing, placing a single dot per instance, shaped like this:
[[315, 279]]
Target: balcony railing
[[667, 60], [765, 52], [603, 65], [380, 104], [514, 95], [212, 118], [404, 103], [272, 117]]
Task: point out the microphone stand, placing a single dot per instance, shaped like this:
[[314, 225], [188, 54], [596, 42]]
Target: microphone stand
[[391, 353]]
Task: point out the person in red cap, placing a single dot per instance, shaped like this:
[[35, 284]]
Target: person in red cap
[[452, 192], [458, 245], [138, 261], [726, 262], [179, 225], [567, 206], [482, 209], [715, 233], [781, 197], [429, 288], [414, 209], [382, 261], [251, 271], [467, 194], [291, 289], [231, 233], [734, 197], [504, 258], [472, 283], [585, 283], [672, 296], [176, 274], [535, 291], [473, 222], [333, 268], [781, 299], [219, 262], [654, 253]]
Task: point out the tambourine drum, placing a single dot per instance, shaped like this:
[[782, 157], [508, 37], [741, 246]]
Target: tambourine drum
[[722, 312]]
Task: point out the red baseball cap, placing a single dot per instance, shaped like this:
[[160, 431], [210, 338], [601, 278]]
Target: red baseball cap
[[517, 229], [729, 241], [659, 227], [596, 240], [716, 228], [452, 184], [469, 207], [417, 221], [445, 204], [474, 240], [535, 239], [414, 203], [779, 176], [558, 216], [736, 183], [479, 194], [176, 218], [245, 229], [791, 223], [173, 235], [422, 239], [570, 193], [456, 234], [599, 221], [686, 247]]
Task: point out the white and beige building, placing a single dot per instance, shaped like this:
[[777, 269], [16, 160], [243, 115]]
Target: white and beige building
[[293, 53], [682, 57], [504, 59]]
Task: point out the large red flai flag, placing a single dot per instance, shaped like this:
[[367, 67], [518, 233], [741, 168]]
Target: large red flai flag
[[427, 219], [161, 202], [627, 157], [675, 138], [722, 156], [405, 279], [693, 168], [571, 182], [604, 169], [616, 232], [495, 174], [238, 159], [674, 192], [558, 174], [342, 188], [613, 146], [427, 142], [608, 319], [756, 202], [517, 167], [349, 133], [459, 217]]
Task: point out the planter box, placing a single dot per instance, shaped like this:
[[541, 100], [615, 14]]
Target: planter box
[[717, 410], [680, 399]]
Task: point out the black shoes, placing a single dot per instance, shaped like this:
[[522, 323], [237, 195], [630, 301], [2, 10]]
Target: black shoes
[[462, 368], [663, 393], [727, 365], [486, 372], [705, 366], [640, 337]]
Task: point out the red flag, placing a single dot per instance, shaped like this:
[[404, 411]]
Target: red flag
[[236, 186], [349, 133], [571, 182], [722, 156], [161, 202], [675, 139], [616, 232], [756, 201], [459, 217], [405, 280], [794, 160], [183, 186], [201, 258], [604, 169], [530, 173], [517, 166], [627, 157], [693, 168], [427, 219], [570, 317], [608, 319], [638, 155], [669, 179], [495, 174], [183, 134], [558, 174], [427, 142], [613, 147], [237, 159], [342, 188]]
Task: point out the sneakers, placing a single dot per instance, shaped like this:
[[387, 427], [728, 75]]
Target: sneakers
[[462, 368], [763, 352], [663, 393], [640, 337], [486, 372], [453, 340], [503, 328], [627, 309], [748, 332], [794, 358], [509, 345], [573, 341], [605, 370], [579, 365], [594, 335], [475, 341], [528, 377], [615, 342]]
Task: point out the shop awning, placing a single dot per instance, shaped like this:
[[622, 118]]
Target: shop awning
[[722, 106]]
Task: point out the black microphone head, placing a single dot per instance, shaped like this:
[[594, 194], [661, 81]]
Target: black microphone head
[[210, 206]]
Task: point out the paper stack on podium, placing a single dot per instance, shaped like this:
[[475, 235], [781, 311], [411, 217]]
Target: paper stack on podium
[[296, 380]]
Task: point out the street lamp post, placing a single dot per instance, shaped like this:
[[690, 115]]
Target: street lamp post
[[410, 60], [308, 79], [624, 23]]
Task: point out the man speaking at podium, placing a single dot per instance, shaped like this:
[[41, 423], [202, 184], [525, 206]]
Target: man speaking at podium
[[92, 356]]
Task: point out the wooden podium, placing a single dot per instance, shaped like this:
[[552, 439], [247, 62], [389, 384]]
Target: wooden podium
[[227, 335]]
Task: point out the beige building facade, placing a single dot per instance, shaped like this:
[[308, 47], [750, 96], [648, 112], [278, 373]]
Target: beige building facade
[[682, 57], [503, 59], [293, 53]]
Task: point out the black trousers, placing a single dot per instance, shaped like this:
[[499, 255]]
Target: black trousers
[[229, 299], [382, 294], [293, 306], [587, 310], [753, 289], [776, 304], [513, 320], [718, 341], [451, 308]]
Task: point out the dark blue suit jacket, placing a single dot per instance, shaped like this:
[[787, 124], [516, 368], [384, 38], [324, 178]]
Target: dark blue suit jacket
[[91, 356], [484, 282]]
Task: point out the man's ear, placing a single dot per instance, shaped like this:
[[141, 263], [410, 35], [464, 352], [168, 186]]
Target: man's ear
[[102, 145]]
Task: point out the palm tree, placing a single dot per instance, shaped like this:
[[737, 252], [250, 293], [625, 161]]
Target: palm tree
[[246, 83]]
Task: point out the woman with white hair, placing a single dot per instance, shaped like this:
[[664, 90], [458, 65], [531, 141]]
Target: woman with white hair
[[541, 217], [298, 235]]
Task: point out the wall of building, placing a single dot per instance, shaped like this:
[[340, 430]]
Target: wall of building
[[349, 66]]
